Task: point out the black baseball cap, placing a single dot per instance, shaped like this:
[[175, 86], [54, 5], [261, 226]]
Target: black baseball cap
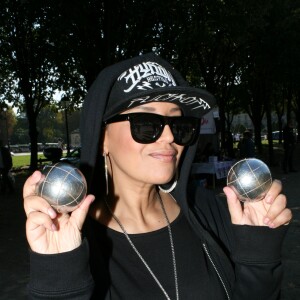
[[149, 78]]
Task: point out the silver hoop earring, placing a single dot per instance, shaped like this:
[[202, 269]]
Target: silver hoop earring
[[172, 187], [106, 172]]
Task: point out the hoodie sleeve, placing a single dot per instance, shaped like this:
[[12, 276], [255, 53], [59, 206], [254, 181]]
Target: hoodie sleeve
[[61, 276], [255, 251], [256, 254]]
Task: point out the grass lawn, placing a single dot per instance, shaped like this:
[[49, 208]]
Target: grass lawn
[[23, 160]]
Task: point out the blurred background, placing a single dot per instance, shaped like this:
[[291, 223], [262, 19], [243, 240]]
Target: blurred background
[[246, 53]]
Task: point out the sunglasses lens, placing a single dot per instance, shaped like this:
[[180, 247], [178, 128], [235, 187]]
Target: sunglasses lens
[[184, 130], [145, 128]]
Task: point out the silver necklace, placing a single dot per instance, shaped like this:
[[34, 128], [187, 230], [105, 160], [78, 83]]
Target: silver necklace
[[141, 257]]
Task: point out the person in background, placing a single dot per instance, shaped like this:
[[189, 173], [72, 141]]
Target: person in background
[[246, 145], [228, 146], [141, 233], [5, 167], [289, 143], [60, 144]]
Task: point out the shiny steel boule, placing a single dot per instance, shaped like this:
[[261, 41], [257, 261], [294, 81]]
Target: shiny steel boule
[[63, 186], [250, 178]]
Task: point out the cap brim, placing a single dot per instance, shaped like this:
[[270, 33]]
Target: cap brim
[[193, 101]]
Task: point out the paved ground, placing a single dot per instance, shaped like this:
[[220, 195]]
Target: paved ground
[[14, 266]]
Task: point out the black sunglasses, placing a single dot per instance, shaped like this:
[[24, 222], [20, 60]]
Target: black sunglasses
[[146, 128]]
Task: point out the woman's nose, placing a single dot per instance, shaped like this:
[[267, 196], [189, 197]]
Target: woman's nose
[[167, 135]]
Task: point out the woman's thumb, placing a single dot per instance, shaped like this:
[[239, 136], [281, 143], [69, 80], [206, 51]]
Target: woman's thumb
[[234, 205]]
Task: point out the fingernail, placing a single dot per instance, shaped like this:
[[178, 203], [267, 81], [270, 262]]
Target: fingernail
[[271, 225], [53, 226], [266, 221], [51, 212], [269, 199], [35, 174]]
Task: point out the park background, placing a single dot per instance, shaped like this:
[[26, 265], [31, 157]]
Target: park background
[[246, 53]]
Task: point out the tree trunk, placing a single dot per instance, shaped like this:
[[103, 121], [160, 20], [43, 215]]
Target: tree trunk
[[270, 138], [33, 135], [222, 122]]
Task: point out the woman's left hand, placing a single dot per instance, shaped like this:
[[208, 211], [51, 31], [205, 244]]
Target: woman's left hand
[[271, 211]]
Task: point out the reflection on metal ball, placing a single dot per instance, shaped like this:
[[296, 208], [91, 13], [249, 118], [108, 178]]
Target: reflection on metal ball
[[63, 186], [250, 178]]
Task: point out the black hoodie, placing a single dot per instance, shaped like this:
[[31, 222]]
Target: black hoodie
[[245, 259]]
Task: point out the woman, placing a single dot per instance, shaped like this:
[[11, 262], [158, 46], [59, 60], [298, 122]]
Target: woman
[[147, 236]]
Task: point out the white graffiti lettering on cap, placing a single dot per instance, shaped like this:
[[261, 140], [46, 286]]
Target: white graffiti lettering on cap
[[158, 78], [148, 85], [152, 72], [195, 102]]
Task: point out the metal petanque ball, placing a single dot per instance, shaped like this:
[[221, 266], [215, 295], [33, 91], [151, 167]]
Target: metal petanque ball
[[250, 178], [63, 186]]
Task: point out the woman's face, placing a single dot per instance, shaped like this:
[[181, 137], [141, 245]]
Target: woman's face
[[153, 163]]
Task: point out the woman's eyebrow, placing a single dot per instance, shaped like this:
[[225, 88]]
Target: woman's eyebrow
[[153, 109]]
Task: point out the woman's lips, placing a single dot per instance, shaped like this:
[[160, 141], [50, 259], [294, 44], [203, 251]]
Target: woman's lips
[[166, 156]]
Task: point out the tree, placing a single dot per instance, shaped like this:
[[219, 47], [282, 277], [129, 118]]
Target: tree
[[49, 46], [209, 49], [20, 133], [61, 46], [7, 124], [27, 53], [51, 125], [289, 59]]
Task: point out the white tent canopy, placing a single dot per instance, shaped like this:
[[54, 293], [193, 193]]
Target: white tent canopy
[[208, 125]]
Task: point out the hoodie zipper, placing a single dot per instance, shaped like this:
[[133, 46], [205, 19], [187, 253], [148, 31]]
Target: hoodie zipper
[[214, 266]]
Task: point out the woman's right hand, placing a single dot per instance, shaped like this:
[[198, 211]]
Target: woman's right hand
[[47, 231]]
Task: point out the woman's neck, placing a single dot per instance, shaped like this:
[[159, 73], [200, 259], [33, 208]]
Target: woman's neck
[[139, 211]]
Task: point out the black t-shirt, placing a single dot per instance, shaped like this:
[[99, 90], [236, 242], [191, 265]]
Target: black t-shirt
[[120, 274]]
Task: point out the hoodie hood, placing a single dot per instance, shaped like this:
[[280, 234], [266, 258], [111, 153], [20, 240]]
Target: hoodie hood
[[142, 79]]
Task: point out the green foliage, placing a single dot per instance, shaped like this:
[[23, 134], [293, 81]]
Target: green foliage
[[7, 123], [244, 52]]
